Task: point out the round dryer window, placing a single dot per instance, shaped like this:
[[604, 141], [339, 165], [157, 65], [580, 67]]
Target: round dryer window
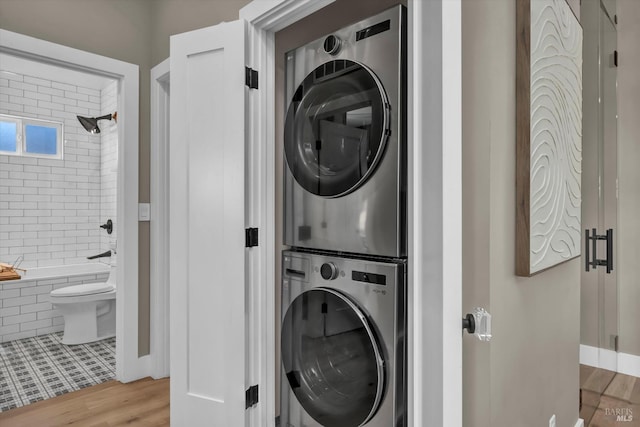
[[331, 359], [336, 128]]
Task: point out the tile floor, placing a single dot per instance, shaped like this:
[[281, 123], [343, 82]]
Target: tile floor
[[38, 368], [609, 399]]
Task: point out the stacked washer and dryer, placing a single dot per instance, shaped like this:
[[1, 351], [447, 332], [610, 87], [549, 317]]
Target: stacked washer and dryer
[[344, 278]]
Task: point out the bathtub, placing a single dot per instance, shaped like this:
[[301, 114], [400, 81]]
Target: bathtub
[[25, 308]]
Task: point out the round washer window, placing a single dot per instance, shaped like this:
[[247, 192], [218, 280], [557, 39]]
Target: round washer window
[[336, 128], [331, 359]]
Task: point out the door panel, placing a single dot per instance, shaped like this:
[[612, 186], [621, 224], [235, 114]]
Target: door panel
[[599, 290], [207, 151]]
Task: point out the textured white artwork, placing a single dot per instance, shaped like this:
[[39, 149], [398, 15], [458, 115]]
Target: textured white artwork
[[556, 134]]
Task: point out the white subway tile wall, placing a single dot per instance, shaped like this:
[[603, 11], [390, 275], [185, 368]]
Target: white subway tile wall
[[109, 162], [25, 307], [50, 210]]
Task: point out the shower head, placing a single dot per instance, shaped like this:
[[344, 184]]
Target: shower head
[[91, 123]]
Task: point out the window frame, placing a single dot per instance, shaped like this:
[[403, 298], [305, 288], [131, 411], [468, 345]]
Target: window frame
[[21, 140]]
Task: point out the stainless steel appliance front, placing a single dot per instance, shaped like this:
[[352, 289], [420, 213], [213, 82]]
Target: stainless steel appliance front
[[345, 140], [343, 342]]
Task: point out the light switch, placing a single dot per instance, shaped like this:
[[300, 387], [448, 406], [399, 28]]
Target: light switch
[[144, 212]]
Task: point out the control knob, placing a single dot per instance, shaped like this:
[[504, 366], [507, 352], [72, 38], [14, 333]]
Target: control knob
[[331, 44], [329, 271]]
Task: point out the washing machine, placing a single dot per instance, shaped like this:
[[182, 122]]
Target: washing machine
[[343, 342], [345, 140]]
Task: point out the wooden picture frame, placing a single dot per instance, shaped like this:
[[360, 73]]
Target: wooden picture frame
[[548, 135]]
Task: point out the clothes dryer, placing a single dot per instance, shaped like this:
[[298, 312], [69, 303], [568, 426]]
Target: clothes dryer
[[343, 342], [345, 140]]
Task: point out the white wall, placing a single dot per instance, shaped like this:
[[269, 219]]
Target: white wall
[[50, 208]]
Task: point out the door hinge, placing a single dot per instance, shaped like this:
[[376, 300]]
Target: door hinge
[[250, 237], [615, 343], [251, 396], [615, 58], [251, 78]]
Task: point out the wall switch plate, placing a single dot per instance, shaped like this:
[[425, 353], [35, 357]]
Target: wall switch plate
[[552, 421], [144, 212]]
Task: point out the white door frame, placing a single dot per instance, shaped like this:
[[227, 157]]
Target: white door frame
[[159, 241], [434, 197], [128, 365]]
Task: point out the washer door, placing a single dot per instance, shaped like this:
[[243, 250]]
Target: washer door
[[331, 359], [336, 128]]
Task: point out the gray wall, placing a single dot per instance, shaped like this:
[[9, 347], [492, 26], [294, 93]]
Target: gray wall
[[529, 371], [629, 175], [135, 31], [178, 16]]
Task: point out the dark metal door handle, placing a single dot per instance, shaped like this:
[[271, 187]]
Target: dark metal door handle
[[587, 260], [609, 250], [591, 258]]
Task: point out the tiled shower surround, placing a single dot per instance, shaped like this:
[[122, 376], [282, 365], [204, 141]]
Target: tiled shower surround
[[109, 162], [25, 307], [50, 209]]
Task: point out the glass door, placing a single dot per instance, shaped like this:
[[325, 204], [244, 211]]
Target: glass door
[[599, 293]]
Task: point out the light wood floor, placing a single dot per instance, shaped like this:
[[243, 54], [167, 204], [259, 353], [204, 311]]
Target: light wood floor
[[605, 395], [142, 403]]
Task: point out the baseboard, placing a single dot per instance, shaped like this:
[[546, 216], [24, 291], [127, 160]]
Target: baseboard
[[629, 364], [623, 363], [139, 369], [598, 357], [579, 423], [589, 356], [608, 359]]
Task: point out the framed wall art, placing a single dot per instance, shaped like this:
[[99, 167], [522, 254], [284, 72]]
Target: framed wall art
[[548, 135]]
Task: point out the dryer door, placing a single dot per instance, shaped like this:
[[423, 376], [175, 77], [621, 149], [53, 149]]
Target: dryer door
[[331, 359], [336, 128]]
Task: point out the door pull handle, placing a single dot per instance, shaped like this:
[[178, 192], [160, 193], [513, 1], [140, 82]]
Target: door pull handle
[[591, 257]]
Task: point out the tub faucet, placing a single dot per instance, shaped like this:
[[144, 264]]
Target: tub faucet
[[102, 255]]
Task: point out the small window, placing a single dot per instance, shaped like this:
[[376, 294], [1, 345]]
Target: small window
[[21, 136], [9, 131]]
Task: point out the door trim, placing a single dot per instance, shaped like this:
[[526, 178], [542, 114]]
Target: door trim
[[435, 213], [129, 366], [434, 197], [159, 239]]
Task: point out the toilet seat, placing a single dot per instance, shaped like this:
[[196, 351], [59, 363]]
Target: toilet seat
[[84, 289]]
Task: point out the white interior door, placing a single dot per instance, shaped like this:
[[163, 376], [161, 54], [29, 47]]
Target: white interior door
[[207, 213]]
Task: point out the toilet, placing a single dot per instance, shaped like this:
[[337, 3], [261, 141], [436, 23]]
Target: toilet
[[89, 309]]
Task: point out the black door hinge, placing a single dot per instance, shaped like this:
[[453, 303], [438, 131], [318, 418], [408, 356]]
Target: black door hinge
[[251, 237], [615, 343], [251, 78], [615, 58], [251, 396]]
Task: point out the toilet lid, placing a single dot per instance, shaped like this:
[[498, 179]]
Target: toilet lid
[[85, 289]]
